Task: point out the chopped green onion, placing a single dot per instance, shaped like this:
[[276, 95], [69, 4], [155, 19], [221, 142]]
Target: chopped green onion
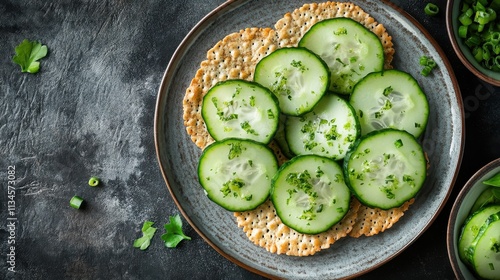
[[424, 60], [428, 64], [488, 64], [426, 71], [496, 61], [477, 52], [492, 14], [469, 12], [480, 27], [462, 31], [478, 6], [93, 181], [465, 19], [486, 54], [76, 202], [482, 17], [431, 9], [494, 37], [473, 41]]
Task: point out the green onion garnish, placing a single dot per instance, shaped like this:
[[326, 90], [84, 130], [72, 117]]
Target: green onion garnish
[[431, 9], [426, 71], [93, 181], [462, 31], [76, 202], [428, 64]]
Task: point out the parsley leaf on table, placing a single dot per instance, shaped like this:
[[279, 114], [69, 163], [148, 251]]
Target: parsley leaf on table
[[27, 55], [174, 233], [148, 232]]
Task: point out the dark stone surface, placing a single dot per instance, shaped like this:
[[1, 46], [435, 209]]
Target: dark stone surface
[[89, 111]]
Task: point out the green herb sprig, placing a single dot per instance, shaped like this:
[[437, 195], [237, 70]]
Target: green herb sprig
[[148, 231], [27, 55], [174, 234]]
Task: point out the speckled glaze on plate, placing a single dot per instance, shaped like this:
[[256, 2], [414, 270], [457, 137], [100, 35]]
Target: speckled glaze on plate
[[349, 257], [460, 211]]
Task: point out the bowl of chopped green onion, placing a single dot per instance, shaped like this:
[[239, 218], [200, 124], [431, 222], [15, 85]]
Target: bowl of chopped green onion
[[474, 30]]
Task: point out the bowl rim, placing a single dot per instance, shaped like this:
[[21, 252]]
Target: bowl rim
[[450, 240], [458, 50]]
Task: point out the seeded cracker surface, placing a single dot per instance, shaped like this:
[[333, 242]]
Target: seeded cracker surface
[[235, 57]]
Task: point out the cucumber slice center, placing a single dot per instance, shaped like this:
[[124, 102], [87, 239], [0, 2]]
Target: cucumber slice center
[[389, 110], [290, 81]]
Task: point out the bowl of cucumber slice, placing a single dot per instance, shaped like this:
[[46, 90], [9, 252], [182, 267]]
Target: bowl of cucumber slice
[[473, 236]]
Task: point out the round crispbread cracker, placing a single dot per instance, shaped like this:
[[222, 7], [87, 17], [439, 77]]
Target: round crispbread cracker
[[264, 228], [294, 25], [371, 221], [233, 57]]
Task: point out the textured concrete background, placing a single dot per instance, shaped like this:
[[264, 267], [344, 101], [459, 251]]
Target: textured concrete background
[[89, 111]]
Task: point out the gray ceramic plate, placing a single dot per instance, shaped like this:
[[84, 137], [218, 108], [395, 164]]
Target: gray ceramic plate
[[178, 156]]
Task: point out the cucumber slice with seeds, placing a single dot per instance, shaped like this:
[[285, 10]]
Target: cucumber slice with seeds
[[298, 77], [310, 194], [485, 249], [471, 228], [385, 168], [237, 173], [390, 99], [240, 109], [350, 50], [330, 130]]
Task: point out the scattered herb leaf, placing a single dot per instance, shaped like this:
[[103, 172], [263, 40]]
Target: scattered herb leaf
[[174, 233], [27, 55], [148, 232]]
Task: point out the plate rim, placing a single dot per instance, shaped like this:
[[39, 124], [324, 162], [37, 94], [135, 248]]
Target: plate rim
[[197, 29]]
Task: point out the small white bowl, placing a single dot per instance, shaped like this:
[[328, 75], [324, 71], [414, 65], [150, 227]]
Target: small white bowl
[[460, 211]]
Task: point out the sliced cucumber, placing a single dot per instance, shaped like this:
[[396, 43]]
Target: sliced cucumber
[[349, 49], [298, 77], [329, 130], [240, 109], [237, 173], [280, 138], [485, 249], [385, 168], [471, 229], [390, 98], [310, 194]]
